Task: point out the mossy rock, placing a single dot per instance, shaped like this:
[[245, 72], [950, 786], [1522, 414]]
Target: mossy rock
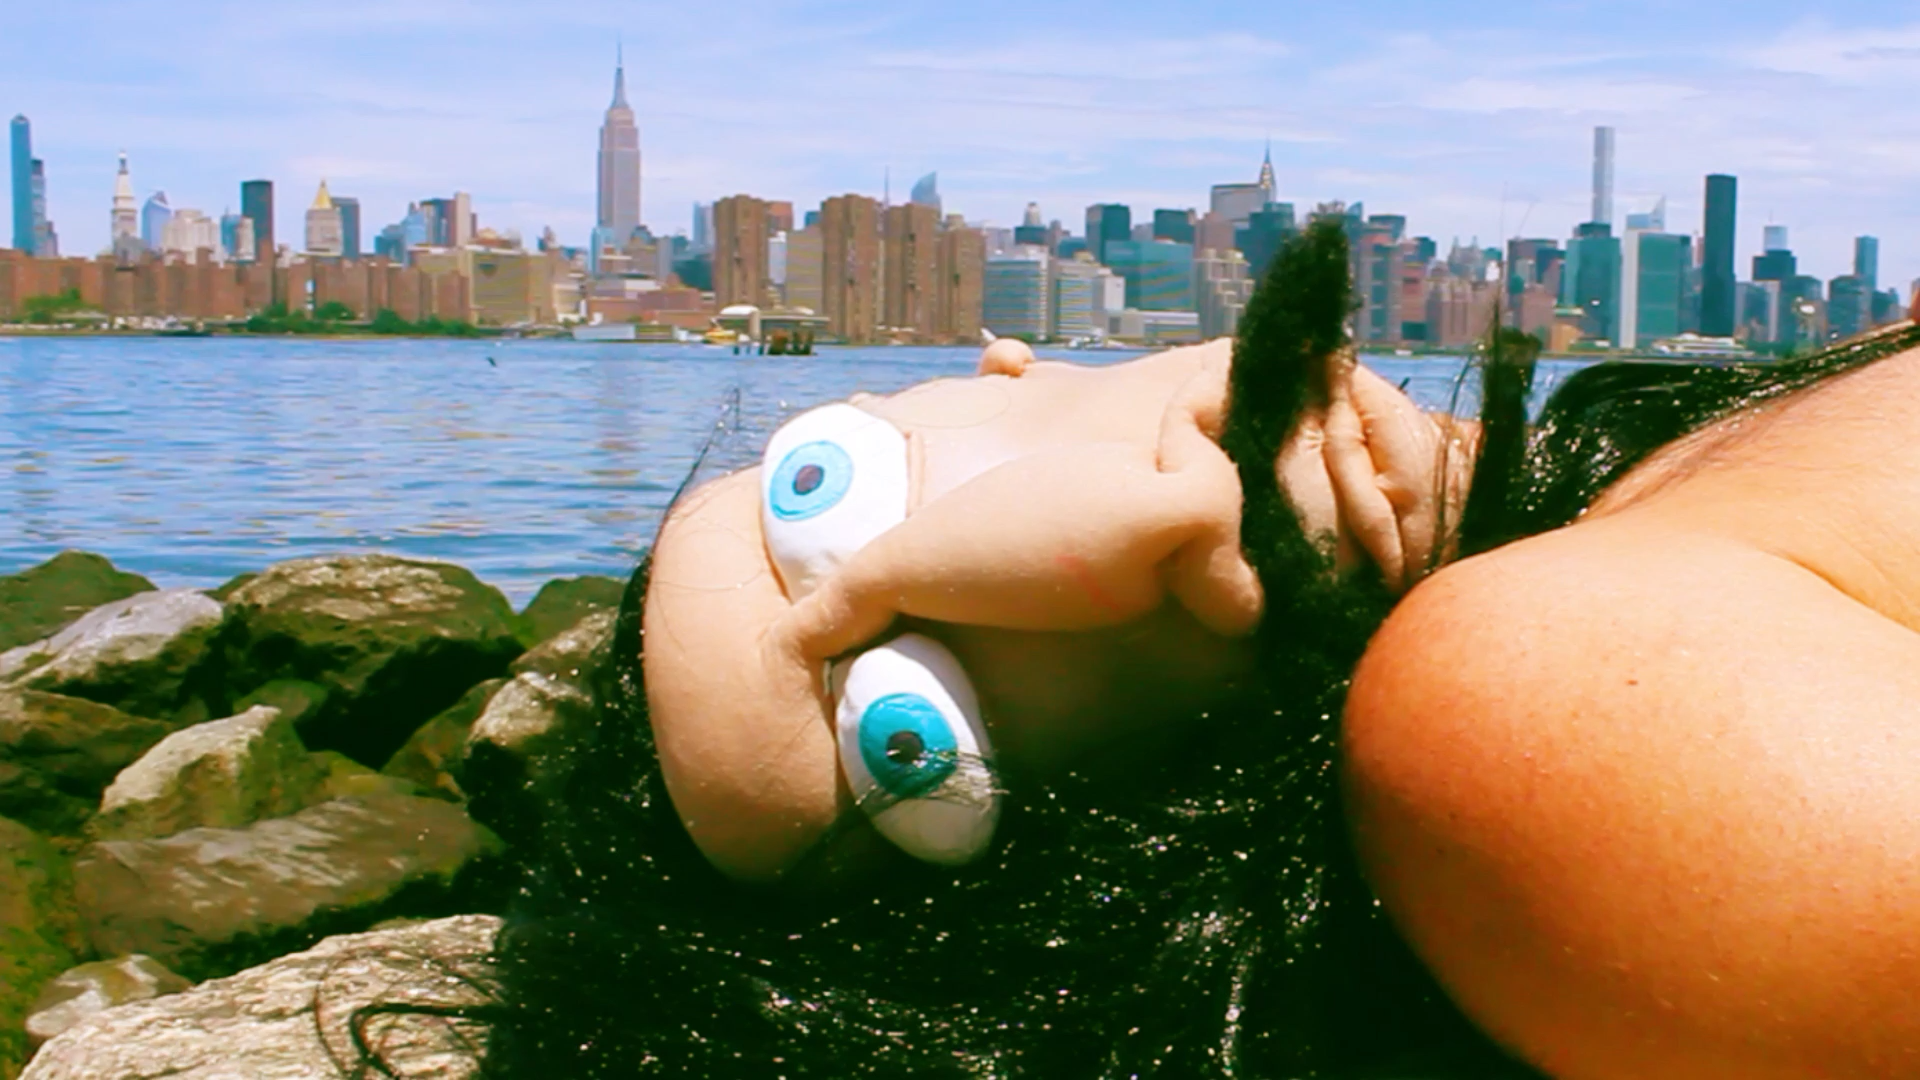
[[565, 601], [222, 774], [297, 699], [39, 934], [58, 753], [433, 754], [146, 653], [39, 601], [392, 642]]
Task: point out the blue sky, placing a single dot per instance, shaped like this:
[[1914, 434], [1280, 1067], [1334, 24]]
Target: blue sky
[[1474, 119]]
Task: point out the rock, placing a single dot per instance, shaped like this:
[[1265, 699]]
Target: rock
[[199, 899], [565, 601], [36, 603], [530, 714], [91, 988], [509, 767], [433, 754], [137, 653], [39, 936], [289, 1018], [296, 699], [223, 774], [58, 753], [572, 654], [345, 778], [393, 641]]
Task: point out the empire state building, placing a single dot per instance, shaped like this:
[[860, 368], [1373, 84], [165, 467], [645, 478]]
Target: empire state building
[[619, 165]]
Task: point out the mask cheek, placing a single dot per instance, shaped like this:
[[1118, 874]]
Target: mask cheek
[[914, 751]]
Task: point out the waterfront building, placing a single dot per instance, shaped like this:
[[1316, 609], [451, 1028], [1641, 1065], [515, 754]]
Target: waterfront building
[[349, 225], [1775, 268], [1237, 202], [1866, 262], [1591, 281], [1072, 310], [910, 271], [961, 299], [1849, 306], [1107, 223], [926, 192], [256, 203], [740, 251], [236, 237], [1653, 287], [1158, 273], [1376, 278], [619, 189], [1716, 257], [1459, 310], [803, 289], [21, 146], [153, 220], [1213, 232], [1603, 176], [1154, 328], [1222, 285], [1017, 299], [779, 216], [1533, 272], [850, 267], [776, 264], [323, 226]]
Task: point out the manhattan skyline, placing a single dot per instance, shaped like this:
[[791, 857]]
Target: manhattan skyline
[[1474, 128]]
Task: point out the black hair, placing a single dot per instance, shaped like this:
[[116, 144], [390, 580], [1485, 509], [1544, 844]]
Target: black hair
[[1210, 921]]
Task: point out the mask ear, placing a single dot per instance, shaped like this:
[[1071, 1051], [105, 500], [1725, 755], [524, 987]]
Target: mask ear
[[1006, 356]]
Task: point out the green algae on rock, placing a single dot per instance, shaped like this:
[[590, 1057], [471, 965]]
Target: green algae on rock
[[39, 935], [39, 601]]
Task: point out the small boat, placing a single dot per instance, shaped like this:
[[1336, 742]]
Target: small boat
[[606, 332]]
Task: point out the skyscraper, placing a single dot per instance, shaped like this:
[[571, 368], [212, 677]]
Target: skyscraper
[[1716, 278], [323, 225], [1106, 223], [349, 225], [45, 244], [910, 270], [1603, 175], [256, 205], [850, 266], [926, 192], [1866, 261], [619, 163], [153, 220], [125, 229], [740, 251], [22, 157]]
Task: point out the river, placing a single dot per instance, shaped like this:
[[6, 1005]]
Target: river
[[192, 460]]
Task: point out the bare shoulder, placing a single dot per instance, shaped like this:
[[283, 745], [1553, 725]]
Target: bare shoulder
[[1642, 797]]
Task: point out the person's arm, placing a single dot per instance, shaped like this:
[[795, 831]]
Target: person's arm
[[1648, 803]]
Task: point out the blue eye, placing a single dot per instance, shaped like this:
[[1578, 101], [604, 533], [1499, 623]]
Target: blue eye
[[907, 745], [810, 481]]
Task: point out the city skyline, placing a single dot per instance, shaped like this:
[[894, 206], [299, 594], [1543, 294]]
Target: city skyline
[[1469, 131]]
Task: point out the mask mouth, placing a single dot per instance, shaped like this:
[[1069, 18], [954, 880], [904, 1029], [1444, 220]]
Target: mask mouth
[[914, 750]]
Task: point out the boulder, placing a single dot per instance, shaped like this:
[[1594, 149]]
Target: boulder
[[565, 601], [138, 653], [432, 756], [572, 654], [296, 699], [345, 778], [392, 641], [58, 753], [39, 936], [208, 900], [222, 774], [289, 1018], [37, 602], [91, 988]]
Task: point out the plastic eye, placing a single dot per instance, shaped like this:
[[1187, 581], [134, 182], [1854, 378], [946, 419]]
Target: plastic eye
[[810, 481], [832, 480], [914, 751]]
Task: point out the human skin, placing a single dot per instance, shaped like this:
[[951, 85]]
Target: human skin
[[1643, 791], [1072, 536]]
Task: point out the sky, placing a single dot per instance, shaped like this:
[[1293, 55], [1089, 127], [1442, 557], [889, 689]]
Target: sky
[[1472, 119]]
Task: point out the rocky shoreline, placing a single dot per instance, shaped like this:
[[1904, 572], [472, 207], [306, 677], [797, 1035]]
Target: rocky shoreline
[[231, 817]]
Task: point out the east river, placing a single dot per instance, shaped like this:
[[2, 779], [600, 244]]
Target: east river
[[192, 460]]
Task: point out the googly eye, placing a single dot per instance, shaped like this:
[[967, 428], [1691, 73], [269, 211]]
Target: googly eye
[[810, 481], [832, 480], [914, 751]]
